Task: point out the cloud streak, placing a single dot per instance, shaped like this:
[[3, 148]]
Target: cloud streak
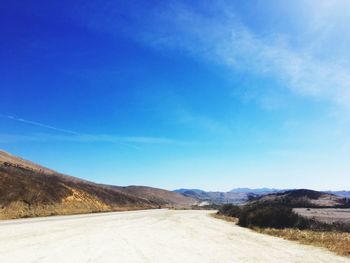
[[38, 124], [71, 136], [222, 37], [128, 141]]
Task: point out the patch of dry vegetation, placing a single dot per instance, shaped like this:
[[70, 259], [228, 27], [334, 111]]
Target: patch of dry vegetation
[[276, 221], [337, 242], [226, 218]]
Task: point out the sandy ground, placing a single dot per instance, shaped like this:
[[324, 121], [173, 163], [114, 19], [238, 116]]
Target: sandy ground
[[146, 236]]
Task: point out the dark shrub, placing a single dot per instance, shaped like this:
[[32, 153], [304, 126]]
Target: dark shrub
[[268, 216], [277, 216], [230, 210]]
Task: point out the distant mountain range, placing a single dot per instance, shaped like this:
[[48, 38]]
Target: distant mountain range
[[255, 190], [28, 189], [235, 196], [340, 193], [243, 195]]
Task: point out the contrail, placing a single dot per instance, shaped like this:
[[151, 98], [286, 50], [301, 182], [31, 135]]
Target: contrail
[[81, 137], [41, 125], [78, 136]]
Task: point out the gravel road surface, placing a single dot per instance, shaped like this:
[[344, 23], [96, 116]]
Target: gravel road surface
[[147, 236]]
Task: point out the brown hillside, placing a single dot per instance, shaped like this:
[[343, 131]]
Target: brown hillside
[[304, 198], [158, 195], [28, 190]]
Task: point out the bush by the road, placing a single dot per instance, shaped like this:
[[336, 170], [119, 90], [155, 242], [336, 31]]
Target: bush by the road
[[276, 216], [270, 216], [282, 221], [230, 210]]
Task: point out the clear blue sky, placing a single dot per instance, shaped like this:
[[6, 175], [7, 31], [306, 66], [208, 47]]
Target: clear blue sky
[[204, 94]]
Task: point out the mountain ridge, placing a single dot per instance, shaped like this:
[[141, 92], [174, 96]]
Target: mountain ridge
[[244, 195], [303, 198], [28, 190]]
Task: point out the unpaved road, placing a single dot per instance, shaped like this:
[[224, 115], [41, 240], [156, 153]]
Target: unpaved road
[[146, 236]]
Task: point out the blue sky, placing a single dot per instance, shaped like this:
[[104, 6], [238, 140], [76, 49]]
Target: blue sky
[[171, 94]]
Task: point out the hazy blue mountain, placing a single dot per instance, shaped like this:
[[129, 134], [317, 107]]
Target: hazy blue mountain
[[194, 193], [183, 190], [216, 197], [257, 191], [340, 193]]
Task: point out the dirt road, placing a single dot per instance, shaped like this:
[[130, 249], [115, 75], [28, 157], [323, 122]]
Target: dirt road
[[146, 236]]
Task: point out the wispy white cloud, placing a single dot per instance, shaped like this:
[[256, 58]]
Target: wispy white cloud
[[222, 37]]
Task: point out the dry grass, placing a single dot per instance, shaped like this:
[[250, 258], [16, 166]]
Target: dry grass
[[226, 218], [334, 241], [337, 242]]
